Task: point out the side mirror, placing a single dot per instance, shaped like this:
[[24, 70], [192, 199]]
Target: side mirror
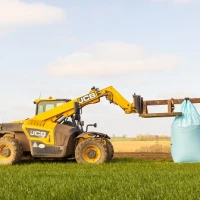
[[76, 108], [95, 125]]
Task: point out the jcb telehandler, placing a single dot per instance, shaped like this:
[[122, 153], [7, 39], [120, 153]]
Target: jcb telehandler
[[56, 131]]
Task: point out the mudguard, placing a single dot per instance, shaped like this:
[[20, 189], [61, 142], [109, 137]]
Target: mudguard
[[4, 132], [92, 134]]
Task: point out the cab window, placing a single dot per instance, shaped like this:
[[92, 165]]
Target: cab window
[[44, 106]]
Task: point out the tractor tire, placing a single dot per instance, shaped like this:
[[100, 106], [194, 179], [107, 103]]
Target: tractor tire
[[110, 150], [10, 151], [92, 151]]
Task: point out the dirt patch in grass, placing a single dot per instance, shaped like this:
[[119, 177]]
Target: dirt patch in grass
[[143, 155]]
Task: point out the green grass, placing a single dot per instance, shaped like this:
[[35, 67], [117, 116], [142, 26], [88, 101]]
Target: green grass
[[121, 179]]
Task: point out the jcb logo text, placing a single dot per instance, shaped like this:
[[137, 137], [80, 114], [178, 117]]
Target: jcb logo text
[[41, 134], [37, 133], [87, 97]]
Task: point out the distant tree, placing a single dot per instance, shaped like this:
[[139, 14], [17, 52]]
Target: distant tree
[[124, 136]]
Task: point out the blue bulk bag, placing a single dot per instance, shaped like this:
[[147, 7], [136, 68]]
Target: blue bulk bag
[[185, 135]]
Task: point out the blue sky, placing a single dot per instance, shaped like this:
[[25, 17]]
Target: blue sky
[[63, 48]]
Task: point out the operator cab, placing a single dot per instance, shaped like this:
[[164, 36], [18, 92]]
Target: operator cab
[[44, 105]]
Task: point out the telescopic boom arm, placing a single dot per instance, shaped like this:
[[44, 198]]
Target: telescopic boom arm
[[112, 95], [94, 96]]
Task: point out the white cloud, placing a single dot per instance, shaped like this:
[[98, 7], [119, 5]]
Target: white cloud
[[111, 59], [173, 1], [17, 13]]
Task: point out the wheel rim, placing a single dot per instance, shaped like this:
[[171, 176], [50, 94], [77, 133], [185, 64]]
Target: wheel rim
[[91, 154], [5, 152]]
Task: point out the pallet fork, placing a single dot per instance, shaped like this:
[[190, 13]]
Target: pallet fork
[[142, 106]]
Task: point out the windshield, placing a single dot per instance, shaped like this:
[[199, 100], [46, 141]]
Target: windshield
[[44, 106]]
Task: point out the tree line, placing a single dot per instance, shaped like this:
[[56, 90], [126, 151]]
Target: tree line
[[148, 137]]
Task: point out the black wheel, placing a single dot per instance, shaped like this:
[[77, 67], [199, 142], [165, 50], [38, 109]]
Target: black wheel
[[10, 151], [91, 150], [110, 150]]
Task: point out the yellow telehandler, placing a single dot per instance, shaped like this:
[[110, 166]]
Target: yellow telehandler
[[56, 130]]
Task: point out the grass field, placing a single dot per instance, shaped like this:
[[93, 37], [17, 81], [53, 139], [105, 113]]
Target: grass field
[[120, 179]]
